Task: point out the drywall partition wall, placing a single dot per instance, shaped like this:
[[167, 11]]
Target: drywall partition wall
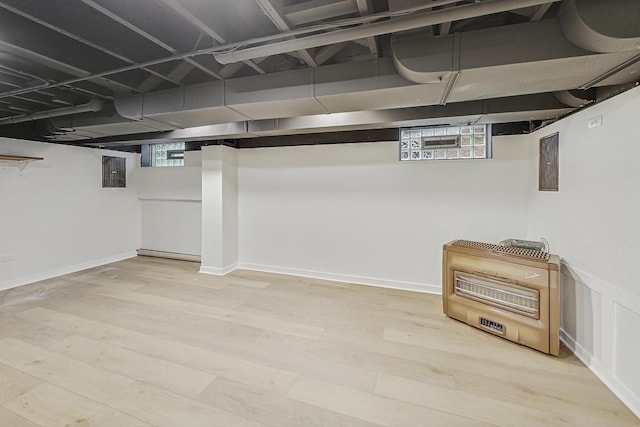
[[219, 210], [353, 212], [56, 218], [593, 223], [171, 202]]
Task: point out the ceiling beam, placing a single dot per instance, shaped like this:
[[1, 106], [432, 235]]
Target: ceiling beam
[[79, 86], [318, 10], [444, 28], [361, 42], [37, 99], [82, 40], [57, 64], [37, 46], [274, 13], [5, 112], [147, 36], [19, 73], [25, 104], [19, 109], [32, 83], [46, 99], [196, 22], [59, 98], [9, 79], [365, 8], [178, 73], [540, 11], [329, 52], [230, 69]]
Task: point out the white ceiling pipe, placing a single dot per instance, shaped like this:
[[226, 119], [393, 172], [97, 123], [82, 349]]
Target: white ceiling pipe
[[391, 26], [94, 105]]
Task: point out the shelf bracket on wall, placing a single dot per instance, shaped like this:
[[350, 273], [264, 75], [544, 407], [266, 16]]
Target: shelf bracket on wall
[[20, 161]]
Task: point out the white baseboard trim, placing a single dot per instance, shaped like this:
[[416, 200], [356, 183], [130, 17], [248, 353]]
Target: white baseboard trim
[[620, 390], [604, 371], [580, 352], [623, 393], [216, 271], [357, 280], [37, 277]]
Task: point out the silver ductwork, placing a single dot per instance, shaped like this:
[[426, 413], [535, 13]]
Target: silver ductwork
[[601, 26], [409, 22], [353, 86], [525, 58], [510, 109], [573, 98], [517, 60], [474, 74]]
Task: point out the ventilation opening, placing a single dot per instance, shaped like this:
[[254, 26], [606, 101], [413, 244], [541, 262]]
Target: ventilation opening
[[491, 325], [511, 250], [506, 295], [441, 141]]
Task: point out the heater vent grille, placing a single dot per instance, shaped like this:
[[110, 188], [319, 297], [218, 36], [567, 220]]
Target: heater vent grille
[[511, 250], [509, 296]]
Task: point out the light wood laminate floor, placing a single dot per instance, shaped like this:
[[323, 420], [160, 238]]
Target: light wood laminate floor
[[151, 342]]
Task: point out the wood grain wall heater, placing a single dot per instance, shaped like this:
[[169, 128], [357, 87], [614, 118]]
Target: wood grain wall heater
[[507, 291]]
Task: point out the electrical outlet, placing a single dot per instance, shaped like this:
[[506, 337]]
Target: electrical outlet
[[7, 258], [595, 122]]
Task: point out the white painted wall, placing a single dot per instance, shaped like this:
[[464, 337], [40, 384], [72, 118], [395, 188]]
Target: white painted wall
[[593, 222], [354, 212], [56, 218], [219, 210], [171, 200]]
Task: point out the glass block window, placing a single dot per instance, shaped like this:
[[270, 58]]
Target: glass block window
[[446, 143], [167, 154]]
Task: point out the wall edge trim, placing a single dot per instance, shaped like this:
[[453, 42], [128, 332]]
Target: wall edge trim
[[217, 271], [356, 280], [608, 378]]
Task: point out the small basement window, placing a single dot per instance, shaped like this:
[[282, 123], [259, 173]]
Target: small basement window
[[171, 154], [445, 143]]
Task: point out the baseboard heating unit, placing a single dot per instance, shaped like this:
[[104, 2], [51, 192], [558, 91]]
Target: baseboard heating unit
[[510, 292]]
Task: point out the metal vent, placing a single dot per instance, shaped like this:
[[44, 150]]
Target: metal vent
[[114, 172], [511, 250], [441, 141], [490, 324], [506, 295]]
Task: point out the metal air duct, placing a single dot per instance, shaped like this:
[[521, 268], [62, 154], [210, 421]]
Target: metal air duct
[[601, 26], [400, 24]]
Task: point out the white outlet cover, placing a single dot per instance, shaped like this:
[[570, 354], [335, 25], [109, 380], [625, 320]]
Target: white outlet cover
[[595, 122]]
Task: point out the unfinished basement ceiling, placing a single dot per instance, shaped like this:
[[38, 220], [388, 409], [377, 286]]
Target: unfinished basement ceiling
[[121, 73]]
